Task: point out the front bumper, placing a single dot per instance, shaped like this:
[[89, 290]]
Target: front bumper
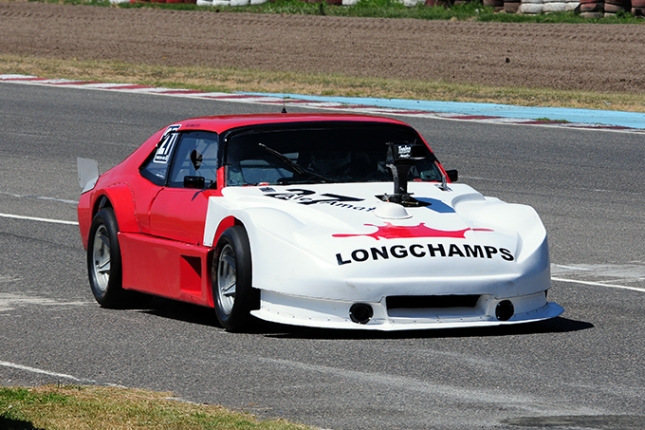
[[335, 314]]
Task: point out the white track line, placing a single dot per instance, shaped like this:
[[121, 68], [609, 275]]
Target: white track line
[[43, 372], [31, 218], [575, 281], [598, 284], [53, 199]]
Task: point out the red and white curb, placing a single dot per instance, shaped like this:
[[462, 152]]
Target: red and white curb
[[271, 100]]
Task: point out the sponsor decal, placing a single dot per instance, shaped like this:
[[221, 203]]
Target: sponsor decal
[[168, 140], [427, 250], [405, 151], [417, 250], [389, 231], [308, 197], [436, 205]]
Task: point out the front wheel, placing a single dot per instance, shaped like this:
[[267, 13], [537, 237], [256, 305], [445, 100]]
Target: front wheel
[[104, 260], [231, 280]]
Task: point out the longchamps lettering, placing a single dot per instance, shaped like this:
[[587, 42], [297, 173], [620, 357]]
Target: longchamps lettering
[[420, 251]]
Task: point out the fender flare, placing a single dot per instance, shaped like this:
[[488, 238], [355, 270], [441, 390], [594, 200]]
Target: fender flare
[[121, 199], [223, 225]]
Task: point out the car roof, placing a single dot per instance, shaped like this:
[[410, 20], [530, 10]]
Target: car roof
[[223, 123]]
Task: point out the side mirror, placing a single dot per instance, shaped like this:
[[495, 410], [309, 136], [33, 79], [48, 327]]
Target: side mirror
[[453, 175], [194, 182]]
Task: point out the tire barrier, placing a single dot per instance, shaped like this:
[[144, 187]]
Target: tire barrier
[[531, 7], [592, 8], [155, 1], [586, 8], [497, 5], [512, 6], [551, 6], [612, 7], [225, 2]]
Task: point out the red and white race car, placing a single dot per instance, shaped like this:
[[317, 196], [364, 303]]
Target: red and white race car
[[320, 220]]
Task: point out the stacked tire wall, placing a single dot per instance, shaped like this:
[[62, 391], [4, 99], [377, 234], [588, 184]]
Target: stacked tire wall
[[638, 7], [586, 8], [497, 5], [592, 8], [153, 1], [531, 7], [612, 7]]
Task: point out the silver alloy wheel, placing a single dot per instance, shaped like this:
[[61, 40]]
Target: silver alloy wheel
[[226, 279], [101, 258]]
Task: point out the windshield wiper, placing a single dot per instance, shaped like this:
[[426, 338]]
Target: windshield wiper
[[294, 166]]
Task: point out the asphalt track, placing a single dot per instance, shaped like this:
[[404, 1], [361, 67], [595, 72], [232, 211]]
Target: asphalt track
[[582, 370]]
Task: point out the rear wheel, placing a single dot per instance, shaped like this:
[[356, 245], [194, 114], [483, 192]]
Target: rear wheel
[[231, 279], [104, 260]]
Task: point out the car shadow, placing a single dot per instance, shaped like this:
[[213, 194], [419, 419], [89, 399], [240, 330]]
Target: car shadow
[[179, 311], [555, 325], [194, 314]]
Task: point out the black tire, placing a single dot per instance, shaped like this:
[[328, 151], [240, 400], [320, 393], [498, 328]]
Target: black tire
[[231, 281], [104, 260]]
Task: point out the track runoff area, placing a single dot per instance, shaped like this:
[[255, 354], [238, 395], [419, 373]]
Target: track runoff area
[[604, 276], [625, 122]]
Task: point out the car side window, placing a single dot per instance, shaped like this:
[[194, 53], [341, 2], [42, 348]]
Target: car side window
[[156, 168], [195, 158]]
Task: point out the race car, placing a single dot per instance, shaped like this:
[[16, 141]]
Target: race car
[[319, 220]]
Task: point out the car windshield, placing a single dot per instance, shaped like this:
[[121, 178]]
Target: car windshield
[[315, 154]]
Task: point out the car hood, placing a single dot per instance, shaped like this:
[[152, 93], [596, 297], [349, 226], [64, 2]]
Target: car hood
[[348, 230]]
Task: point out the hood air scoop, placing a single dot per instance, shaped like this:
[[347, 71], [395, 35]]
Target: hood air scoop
[[388, 210]]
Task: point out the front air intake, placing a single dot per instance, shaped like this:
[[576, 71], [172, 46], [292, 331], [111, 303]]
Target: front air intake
[[361, 313], [504, 310], [432, 302]]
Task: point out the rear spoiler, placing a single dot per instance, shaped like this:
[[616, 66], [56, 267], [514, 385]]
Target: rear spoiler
[[88, 173]]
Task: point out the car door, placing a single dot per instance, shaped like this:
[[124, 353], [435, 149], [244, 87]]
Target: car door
[[178, 212]]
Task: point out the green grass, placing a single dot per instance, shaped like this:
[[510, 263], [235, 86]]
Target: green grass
[[93, 407], [472, 11]]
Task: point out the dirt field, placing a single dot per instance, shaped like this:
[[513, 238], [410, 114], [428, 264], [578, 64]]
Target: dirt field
[[580, 57]]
